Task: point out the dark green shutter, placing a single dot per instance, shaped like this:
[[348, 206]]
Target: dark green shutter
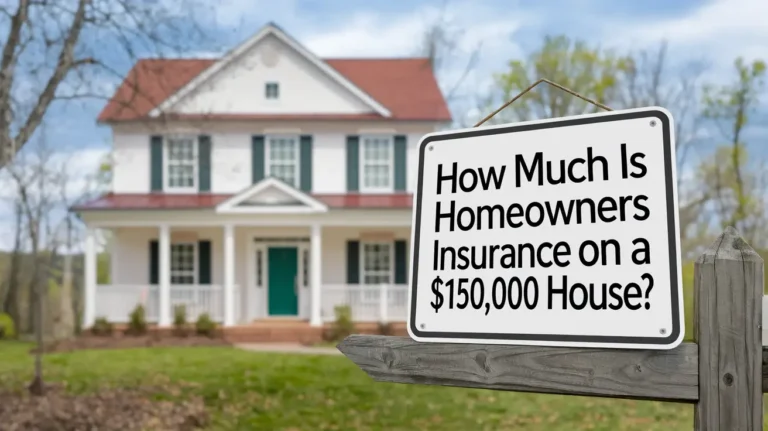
[[156, 163], [257, 158], [154, 260], [401, 262], [305, 153], [204, 262], [353, 262], [204, 163], [353, 163], [400, 163]]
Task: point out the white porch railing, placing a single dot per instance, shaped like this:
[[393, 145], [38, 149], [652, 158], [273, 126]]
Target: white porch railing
[[116, 302], [365, 302]]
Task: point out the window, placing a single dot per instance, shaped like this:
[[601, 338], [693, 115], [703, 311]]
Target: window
[[272, 90], [181, 159], [283, 159], [376, 161], [183, 264], [377, 263]]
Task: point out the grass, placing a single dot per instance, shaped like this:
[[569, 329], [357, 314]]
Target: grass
[[267, 391], [260, 391]]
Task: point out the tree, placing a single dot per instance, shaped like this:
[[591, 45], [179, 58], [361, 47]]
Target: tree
[[592, 72], [441, 43], [56, 50], [735, 192]]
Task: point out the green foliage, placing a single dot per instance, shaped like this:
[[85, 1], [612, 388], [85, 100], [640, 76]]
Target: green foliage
[[103, 268], [137, 321], [731, 184], [343, 325], [7, 328], [102, 327], [205, 326], [180, 327], [591, 72]]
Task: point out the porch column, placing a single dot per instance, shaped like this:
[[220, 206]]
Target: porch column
[[89, 312], [315, 267], [229, 275], [164, 305]]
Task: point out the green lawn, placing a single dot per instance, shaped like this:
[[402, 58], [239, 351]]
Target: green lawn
[[247, 390]]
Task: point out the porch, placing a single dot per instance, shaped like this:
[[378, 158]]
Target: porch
[[382, 303], [241, 274]]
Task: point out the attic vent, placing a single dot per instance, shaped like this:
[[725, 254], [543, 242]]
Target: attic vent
[[270, 56]]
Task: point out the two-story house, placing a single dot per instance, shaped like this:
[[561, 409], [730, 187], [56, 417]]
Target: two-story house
[[267, 183]]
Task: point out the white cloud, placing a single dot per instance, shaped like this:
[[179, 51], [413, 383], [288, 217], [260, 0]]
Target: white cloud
[[719, 30]]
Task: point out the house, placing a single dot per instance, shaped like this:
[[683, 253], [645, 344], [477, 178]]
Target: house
[[268, 183]]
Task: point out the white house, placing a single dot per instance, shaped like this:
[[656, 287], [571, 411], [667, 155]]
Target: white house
[[267, 183]]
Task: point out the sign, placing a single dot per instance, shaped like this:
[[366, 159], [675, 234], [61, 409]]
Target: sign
[[559, 232]]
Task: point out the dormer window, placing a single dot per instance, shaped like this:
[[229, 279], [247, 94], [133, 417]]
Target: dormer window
[[272, 90]]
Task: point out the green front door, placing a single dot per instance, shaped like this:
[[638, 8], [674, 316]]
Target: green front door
[[283, 266]]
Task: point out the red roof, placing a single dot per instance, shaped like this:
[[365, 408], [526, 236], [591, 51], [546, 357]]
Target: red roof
[[406, 87], [161, 201]]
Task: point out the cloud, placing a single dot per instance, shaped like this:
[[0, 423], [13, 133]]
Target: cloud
[[720, 29]]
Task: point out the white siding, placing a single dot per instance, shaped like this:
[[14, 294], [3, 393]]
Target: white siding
[[231, 151], [130, 158], [239, 88]]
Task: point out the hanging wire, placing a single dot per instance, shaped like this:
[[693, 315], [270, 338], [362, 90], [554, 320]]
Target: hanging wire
[[567, 90]]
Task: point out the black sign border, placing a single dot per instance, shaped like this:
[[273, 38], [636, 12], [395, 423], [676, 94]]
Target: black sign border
[[667, 340]]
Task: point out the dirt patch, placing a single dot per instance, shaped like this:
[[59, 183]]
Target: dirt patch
[[128, 341], [106, 410]]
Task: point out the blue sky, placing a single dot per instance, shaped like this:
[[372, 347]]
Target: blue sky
[[716, 31]]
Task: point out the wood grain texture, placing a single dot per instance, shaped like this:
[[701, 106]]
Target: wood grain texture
[[669, 375], [728, 288]]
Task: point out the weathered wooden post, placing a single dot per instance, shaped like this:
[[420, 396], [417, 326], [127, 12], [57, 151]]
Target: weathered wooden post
[[728, 313]]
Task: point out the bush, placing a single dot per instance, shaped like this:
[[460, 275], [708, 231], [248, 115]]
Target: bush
[[137, 321], [7, 328], [386, 328], [205, 326], [102, 327], [342, 326], [180, 328]]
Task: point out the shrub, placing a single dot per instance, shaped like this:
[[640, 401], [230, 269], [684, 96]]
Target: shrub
[[342, 326], [180, 328], [137, 321], [7, 328], [385, 328], [205, 326], [102, 327]]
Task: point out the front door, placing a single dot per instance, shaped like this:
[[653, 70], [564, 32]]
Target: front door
[[282, 269]]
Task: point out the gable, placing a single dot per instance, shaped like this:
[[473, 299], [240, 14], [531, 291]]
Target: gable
[[240, 86], [271, 195]]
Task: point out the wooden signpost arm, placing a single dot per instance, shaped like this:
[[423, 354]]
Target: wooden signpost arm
[[722, 374]]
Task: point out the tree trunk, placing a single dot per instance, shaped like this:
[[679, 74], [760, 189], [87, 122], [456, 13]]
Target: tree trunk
[[11, 305], [37, 387], [66, 325]]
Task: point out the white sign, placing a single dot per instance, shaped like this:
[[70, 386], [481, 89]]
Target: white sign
[[560, 232]]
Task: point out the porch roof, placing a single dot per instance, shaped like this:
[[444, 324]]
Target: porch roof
[[165, 201]]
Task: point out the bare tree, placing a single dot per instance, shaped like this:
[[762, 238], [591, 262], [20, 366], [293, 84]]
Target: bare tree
[[442, 45], [56, 50]]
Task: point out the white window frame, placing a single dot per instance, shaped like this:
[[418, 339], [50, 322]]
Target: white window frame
[[369, 293], [167, 162], [362, 165], [266, 92], [268, 157], [195, 264]]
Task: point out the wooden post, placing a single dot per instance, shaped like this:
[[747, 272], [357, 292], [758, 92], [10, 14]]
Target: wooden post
[[728, 313], [722, 376]]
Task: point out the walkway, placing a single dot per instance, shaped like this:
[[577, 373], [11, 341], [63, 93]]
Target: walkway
[[288, 348]]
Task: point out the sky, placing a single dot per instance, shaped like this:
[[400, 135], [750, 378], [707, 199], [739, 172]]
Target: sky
[[715, 31]]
